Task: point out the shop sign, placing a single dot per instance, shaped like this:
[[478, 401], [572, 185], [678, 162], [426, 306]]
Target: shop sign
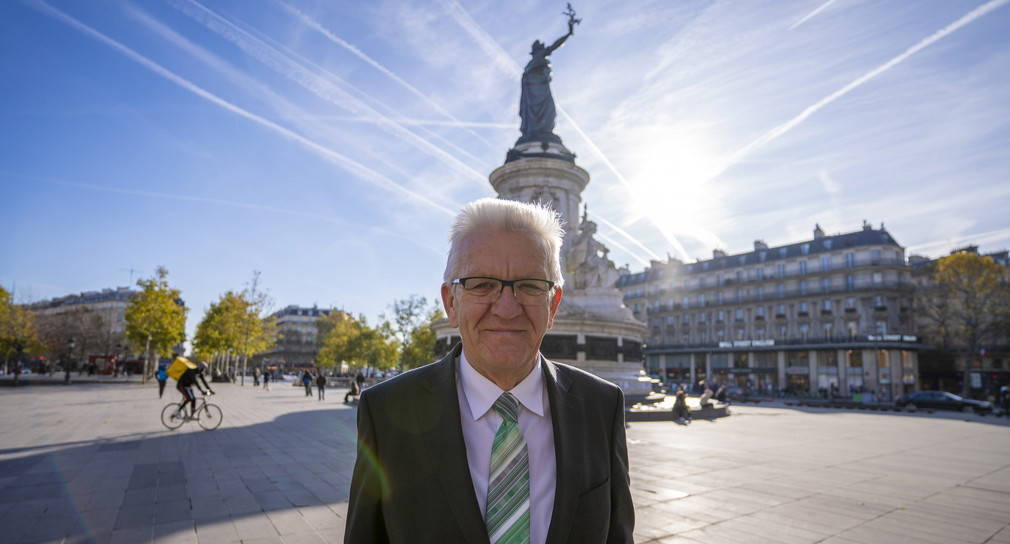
[[892, 338], [747, 344]]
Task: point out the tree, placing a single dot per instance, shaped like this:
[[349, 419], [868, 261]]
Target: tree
[[421, 347], [962, 305], [345, 339], [156, 318], [257, 331], [18, 334], [412, 317], [237, 324]]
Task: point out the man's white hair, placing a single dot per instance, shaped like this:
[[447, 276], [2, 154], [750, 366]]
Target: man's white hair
[[496, 214]]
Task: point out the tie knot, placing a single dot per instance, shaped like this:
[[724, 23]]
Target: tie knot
[[508, 406]]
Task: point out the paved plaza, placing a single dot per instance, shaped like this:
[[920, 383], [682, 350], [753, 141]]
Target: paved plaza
[[92, 463]]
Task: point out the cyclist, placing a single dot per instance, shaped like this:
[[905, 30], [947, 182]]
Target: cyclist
[[186, 383]]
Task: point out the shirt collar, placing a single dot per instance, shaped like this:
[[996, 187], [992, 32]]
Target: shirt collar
[[481, 393]]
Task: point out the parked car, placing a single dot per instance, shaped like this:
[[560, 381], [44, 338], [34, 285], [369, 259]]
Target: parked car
[[941, 400]]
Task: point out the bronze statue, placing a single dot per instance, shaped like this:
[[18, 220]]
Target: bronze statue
[[536, 105]]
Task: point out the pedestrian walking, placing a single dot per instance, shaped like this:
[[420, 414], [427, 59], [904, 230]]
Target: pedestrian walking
[[321, 385], [307, 382], [256, 377], [162, 376], [266, 380]]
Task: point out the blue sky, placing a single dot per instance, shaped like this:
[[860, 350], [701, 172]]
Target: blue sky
[[328, 143]]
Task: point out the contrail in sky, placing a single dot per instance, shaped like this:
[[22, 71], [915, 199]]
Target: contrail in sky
[[308, 21], [354, 167], [320, 86], [811, 14], [190, 198], [778, 131]]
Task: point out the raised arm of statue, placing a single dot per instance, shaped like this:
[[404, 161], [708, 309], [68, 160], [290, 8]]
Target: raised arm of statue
[[560, 41]]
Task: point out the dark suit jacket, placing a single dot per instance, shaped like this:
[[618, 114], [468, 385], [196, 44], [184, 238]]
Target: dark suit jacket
[[411, 481]]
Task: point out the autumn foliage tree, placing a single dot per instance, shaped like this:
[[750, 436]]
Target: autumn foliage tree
[[156, 318], [963, 305], [350, 340], [237, 323]]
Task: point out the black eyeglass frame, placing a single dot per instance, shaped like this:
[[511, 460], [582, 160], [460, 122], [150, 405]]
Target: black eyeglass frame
[[504, 283]]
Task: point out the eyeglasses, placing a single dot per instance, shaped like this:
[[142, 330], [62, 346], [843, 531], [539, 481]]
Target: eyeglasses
[[526, 291]]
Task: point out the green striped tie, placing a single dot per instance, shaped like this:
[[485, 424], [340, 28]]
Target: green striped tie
[[508, 488]]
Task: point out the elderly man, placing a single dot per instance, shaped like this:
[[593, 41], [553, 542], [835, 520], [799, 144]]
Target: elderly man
[[494, 443]]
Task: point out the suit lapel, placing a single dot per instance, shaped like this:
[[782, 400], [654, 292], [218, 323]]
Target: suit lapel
[[447, 450], [568, 434]]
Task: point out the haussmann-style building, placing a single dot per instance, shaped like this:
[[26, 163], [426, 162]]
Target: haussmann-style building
[[828, 315]]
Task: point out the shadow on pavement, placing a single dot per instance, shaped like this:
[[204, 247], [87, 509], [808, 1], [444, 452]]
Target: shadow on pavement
[[233, 483]]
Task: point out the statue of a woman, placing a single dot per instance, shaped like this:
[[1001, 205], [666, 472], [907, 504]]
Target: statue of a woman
[[536, 105]]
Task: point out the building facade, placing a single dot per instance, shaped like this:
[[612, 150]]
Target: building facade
[[830, 314], [297, 338]]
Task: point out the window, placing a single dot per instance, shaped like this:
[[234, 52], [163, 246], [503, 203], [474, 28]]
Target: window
[[782, 309], [850, 260], [781, 270], [760, 333], [827, 331], [762, 256], [850, 282], [878, 302], [803, 267], [686, 319], [687, 303], [719, 297], [761, 293], [760, 274], [739, 334], [853, 330], [701, 317], [701, 300], [783, 252], [804, 330], [718, 280], [803, 307], [805, 249], [743, 259], [803, 288], [739, 276], [880, 327], [739, 314], [701, 282], [850, 303], [719, 316], [670, 321], [875, 256], [826, 305], [782, 290], [825, 263], [739, 295], [828, 243], [782, 332], [760, 311], [826, 285], [878, 278]]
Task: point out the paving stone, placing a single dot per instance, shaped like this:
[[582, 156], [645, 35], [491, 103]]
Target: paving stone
[[770, 473]]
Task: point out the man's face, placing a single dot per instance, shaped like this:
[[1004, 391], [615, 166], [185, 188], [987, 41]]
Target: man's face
[[501, 337]]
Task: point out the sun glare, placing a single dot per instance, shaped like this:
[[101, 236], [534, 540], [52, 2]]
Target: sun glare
[[671, 190]]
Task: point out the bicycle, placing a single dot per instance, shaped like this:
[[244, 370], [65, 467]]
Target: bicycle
[[208, 415]]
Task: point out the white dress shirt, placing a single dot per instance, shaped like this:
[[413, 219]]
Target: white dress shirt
[[477, 396]]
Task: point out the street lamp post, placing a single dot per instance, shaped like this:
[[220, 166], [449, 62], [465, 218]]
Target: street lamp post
[[119, 349]]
